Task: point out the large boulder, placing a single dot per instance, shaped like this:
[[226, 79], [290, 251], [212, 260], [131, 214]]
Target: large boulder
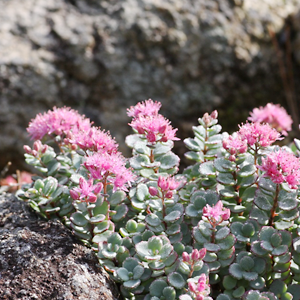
[[43, 260], [102, 56]]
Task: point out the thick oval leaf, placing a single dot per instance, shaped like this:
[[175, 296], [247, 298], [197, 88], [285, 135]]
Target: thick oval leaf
[[176, 280]]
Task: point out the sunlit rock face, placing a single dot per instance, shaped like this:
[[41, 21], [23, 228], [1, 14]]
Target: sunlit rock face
[[100, 57]]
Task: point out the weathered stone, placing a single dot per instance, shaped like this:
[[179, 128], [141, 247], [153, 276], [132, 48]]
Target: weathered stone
[[42, 260], [102, 56]]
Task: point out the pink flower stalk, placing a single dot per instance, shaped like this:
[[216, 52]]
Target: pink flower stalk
[[217, 213], [275, 115], [155, 128], [261, 135], [282, 166], [201, 289], [58, 121], [94, 140], [110, 168], [87, 191], [235, 145], [146, 108]]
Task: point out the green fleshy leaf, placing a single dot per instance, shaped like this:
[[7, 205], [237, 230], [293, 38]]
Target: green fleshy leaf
[[229, 282], [97, 219], [250, 276], [212, 247], [247, 263], [238, 293], [131, 284], [259, 215], [117, 197], [223, 165], [194, 156], [222, 233], [173, 216], [168, 161], [78, 219], [122, 210], [156, 288], [142, 192], [226, 179], [236, 271], [247, 170], [192, 144], [122, 273], [258, 284], [176, 280], [207, 168], [263, 203]]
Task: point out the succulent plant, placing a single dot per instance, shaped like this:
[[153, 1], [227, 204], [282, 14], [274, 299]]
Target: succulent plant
[[227, 228]]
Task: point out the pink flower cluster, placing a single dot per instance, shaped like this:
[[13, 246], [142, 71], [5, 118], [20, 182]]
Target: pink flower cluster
[[249, 135], [109, 168], [261, 135], [282, 166], [148, 122], [216, 214], [58, 121], [87, 191], [195, 256], [201, 289], [275, 115], [94, 140], [235, 145], [167, 185]]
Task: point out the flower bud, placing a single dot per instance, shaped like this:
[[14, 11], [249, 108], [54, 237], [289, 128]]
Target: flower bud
[[214, 114], [151, 137], [206, 119], [195, 255], [92, 198], [153, 191], [74, 195], [37, 145], [34, 153], [169, 194], [27, 149], [226, 214], [162, 129], [192, 287], [185, 257], [164, 139], [44, 149], [202, 253]]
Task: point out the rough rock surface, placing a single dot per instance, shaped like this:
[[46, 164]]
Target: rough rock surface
[[102, 56], [42, 260]]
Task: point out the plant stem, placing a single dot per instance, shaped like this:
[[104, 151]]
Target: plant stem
[[275, 204]]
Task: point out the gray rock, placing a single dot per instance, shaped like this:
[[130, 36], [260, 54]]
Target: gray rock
[[42, 260], [100, 57]]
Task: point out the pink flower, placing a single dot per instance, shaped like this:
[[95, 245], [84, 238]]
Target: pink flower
[[168, 183], [155, 128], [146, 108], [261, 135], [234, 144], [86, 192], [58, 121], [94, 139], [217, 213], [111, 168], [275, 115], [282, 166]]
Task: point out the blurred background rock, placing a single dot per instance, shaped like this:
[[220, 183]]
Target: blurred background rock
[[100, 57]]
